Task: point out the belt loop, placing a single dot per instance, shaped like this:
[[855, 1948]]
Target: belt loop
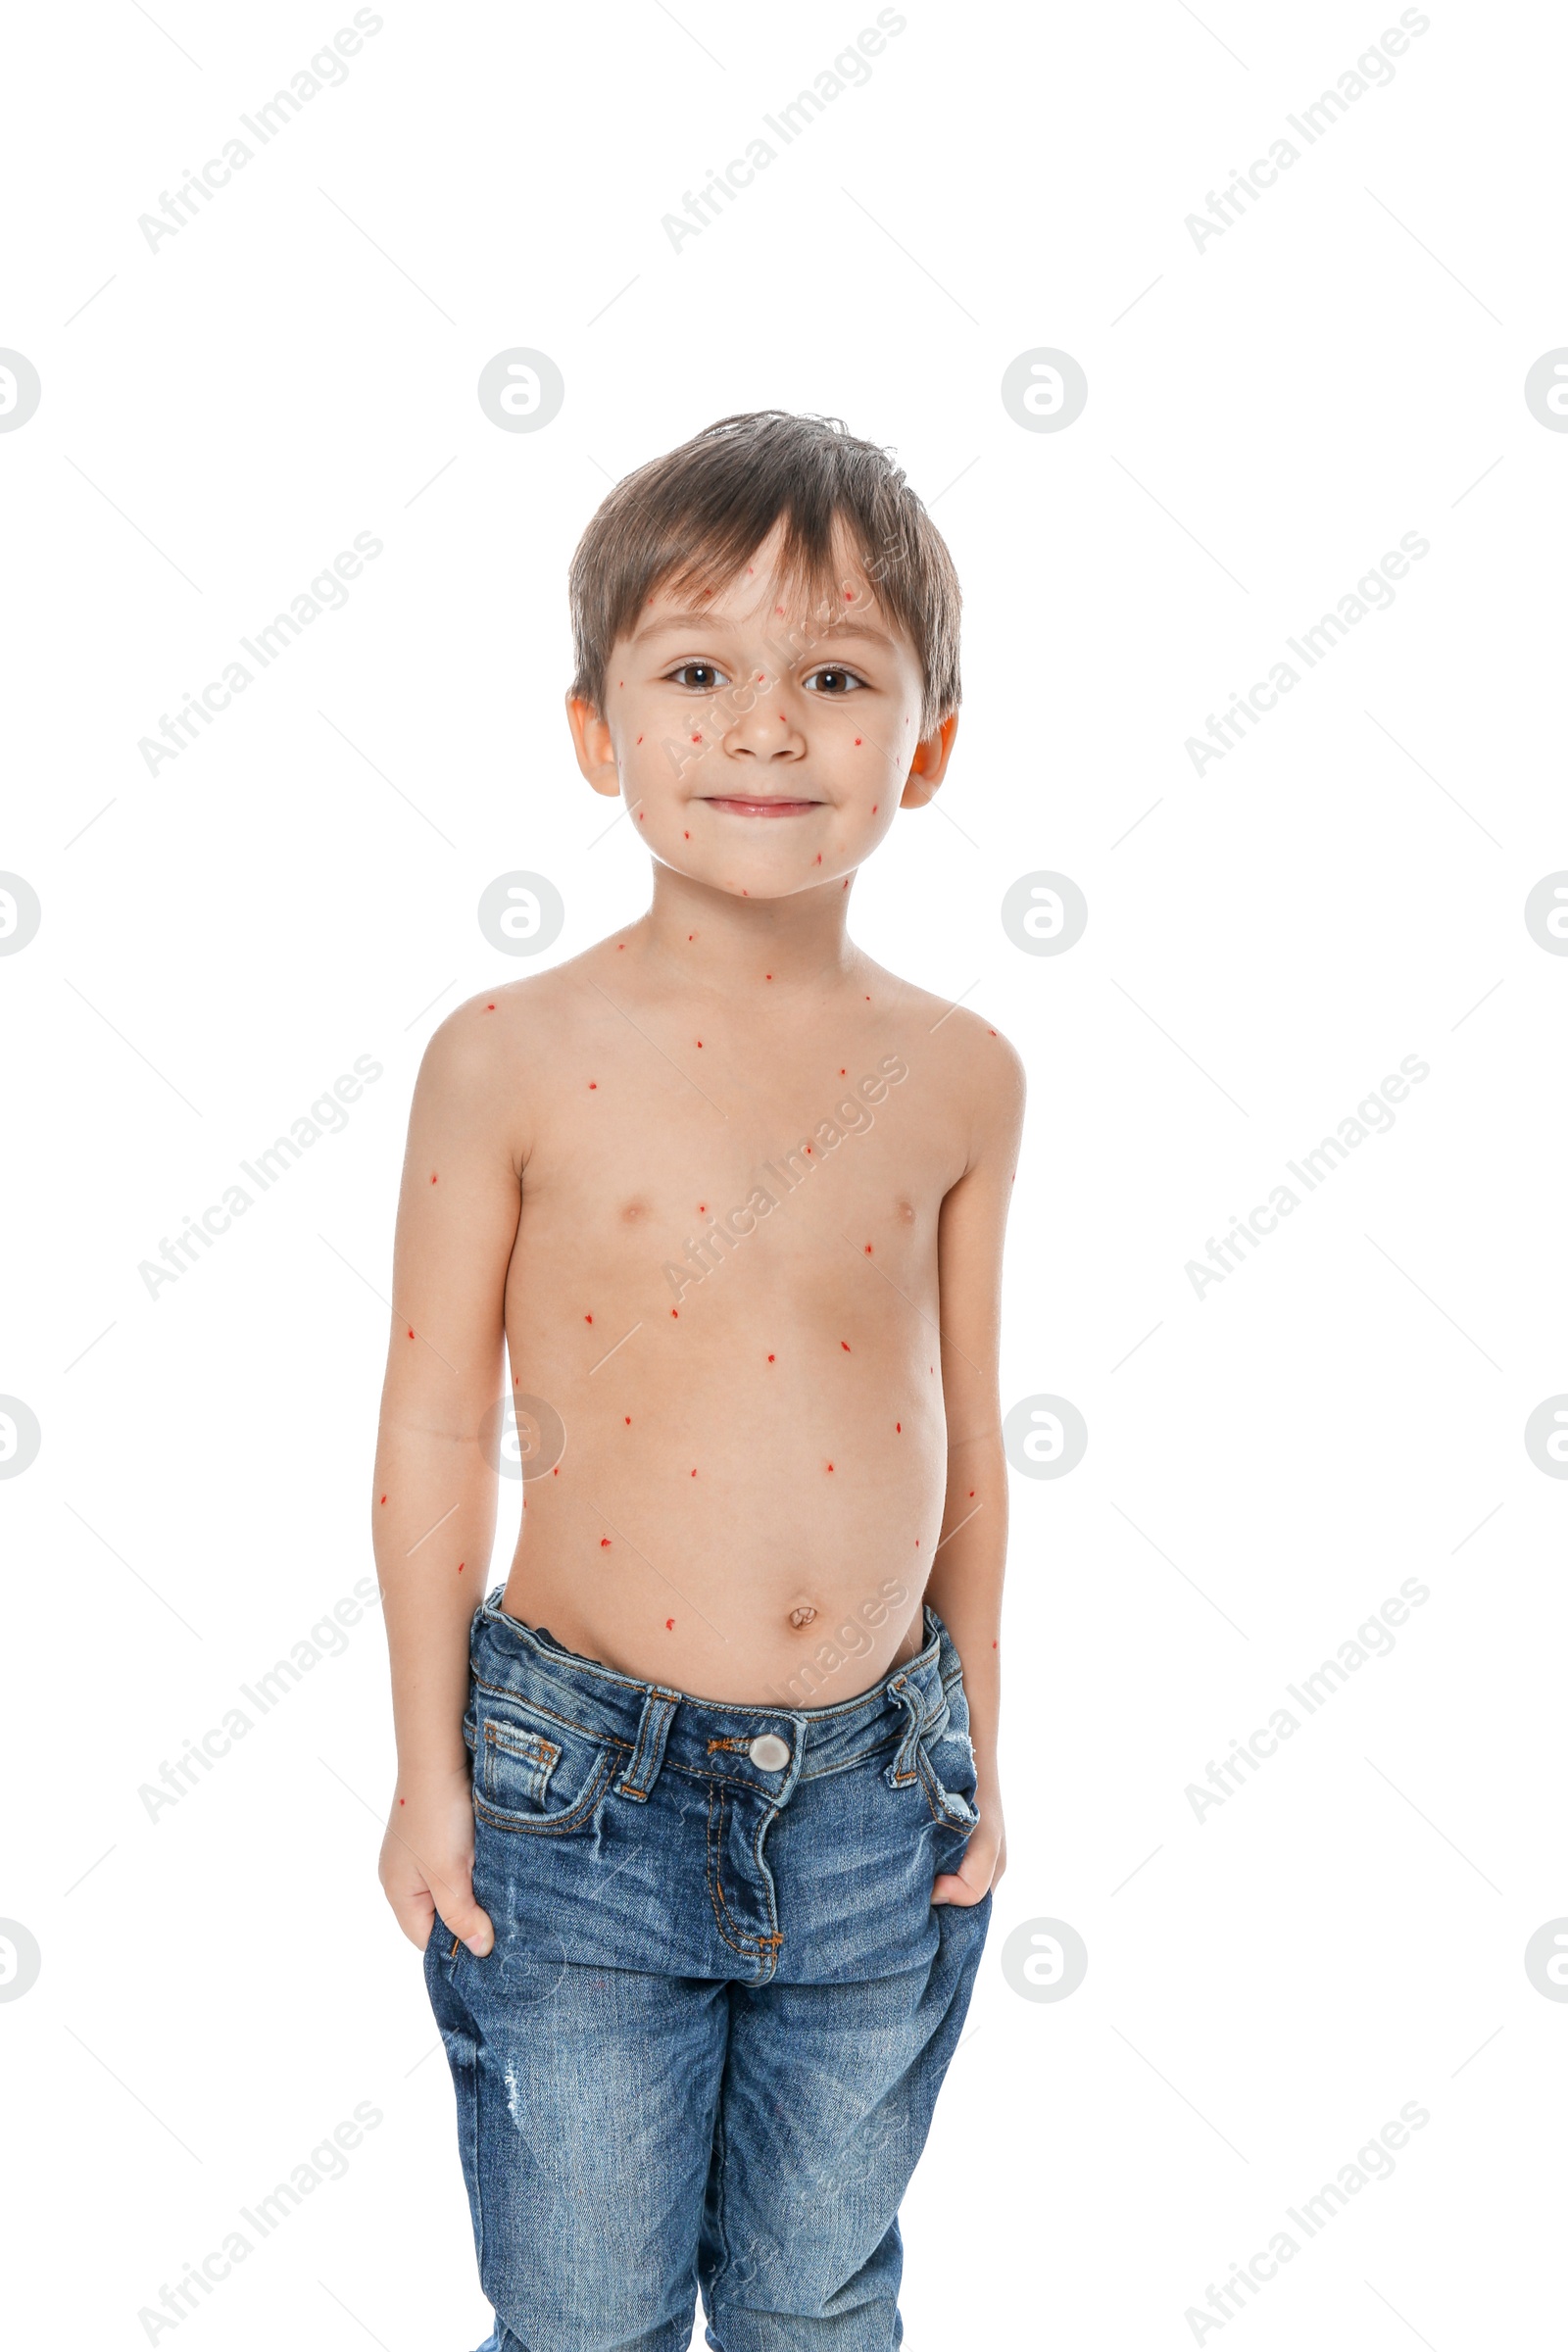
[[659, 1711], [902, 1768]]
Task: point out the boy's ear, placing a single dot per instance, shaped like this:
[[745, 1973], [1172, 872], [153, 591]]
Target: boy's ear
[[929, 765], [595, 752]]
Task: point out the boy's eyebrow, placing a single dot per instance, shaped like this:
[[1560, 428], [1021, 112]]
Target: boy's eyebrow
[[708, 618]]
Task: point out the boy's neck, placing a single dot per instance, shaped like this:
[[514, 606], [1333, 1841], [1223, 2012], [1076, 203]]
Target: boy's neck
[[711, 940]]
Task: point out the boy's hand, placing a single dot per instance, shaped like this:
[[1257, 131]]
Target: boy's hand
[[427, 1860], [985, 1858]]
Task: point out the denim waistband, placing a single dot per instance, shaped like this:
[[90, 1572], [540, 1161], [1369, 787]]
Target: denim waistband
[[656, 1724]]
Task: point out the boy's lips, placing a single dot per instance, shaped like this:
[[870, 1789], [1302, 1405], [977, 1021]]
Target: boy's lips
[[744, 804]]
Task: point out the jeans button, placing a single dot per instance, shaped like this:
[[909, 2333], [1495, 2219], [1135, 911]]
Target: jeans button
[[769, 1751]]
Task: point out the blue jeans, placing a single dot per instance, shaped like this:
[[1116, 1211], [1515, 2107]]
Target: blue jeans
[[704, 2051]]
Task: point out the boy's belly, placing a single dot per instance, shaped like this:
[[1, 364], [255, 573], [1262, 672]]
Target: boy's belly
[[752, 1484]]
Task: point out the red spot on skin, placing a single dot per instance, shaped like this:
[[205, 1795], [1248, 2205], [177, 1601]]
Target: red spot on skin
[[843, 1074], [403, 1801], [782, 719], [874, 807], [383, 1499], [818, 856], [670, 1628], [868, 1250], [460, 1567], [767, 975], [857, 743], [971, 1494], [993, 1646], [778, 609], [604, 1542], [641, 819], [629, 1420], [694, 1474], [432, 1180], [620, 682], [593, 1085], [992, 1643], [687, 837], [898, 1426], [845, 1344], [639, 739], [702, 1209], [587, 1318], [410, 1334], [699, 1045], [675, 1312], [849, 596], [488, 1009], [621, 947], [830, 1465], [808, 1151], [554, 1474], [697, 739]]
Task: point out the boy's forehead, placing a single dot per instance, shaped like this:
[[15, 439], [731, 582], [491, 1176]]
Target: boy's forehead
[[767, 596]]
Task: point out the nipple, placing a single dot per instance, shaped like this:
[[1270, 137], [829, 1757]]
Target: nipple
[[801, 1617]]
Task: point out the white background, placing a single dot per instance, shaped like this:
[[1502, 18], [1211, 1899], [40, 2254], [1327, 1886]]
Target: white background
[[1266, 417]]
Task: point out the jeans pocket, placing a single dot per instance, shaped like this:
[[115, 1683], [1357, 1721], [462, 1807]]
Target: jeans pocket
[[541, 1778]]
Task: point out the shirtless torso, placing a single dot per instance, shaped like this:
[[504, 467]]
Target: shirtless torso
[[719, 1225]]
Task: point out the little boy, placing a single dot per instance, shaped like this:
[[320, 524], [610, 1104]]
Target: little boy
[[697, 1817]]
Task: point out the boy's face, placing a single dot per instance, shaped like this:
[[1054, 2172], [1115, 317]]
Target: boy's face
[[762, 738]]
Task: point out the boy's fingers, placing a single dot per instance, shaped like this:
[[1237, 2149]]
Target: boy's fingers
[[465, 1919]]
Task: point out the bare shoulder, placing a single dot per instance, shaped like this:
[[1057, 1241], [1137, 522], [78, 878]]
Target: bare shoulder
[[492, 1066], [978, 1066]]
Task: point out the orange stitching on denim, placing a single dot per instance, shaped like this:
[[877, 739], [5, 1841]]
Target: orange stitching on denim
[[712, 1744], [716, 1794]]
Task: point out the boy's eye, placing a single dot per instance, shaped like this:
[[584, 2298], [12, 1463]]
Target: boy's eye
[[701, 676], [834, 682]]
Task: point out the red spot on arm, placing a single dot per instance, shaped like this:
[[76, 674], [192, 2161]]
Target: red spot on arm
[[604, 1542], [488, 1009], [830, 1465], [670, 1628], [686, 837], [432, 1180], [675, 1312], [857, 746], [694, 1474], [629, 1420], [898, 1426], [639, 739], [874, 807], [697, 739], [869, 1251], [587, 1318], [593, 1085], [845, 1344], [383, 1499], [699, 1045], [411, 1332], [460, 1565]]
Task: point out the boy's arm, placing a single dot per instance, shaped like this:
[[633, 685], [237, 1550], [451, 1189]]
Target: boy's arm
[[433, 1506], [965, 1583]]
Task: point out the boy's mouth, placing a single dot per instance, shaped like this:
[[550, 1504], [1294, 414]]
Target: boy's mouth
[[756, 804]]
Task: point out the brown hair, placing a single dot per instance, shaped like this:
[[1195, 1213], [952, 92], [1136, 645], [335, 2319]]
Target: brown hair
[[701, 510]]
